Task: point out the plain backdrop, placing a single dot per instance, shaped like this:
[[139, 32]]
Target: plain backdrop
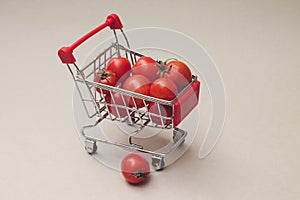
[[256, 46]]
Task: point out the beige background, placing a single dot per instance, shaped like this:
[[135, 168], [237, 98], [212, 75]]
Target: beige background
[[256, 45]]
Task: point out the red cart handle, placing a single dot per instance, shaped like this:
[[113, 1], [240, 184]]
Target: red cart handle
[[66, 53]]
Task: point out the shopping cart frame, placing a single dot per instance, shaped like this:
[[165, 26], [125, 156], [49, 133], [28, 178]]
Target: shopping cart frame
[[135, 115]]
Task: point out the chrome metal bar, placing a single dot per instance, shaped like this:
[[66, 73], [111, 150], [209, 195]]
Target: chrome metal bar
[[117, 42], [183, 135], [92, 125], [87, 86], [133, 147], [127, 110], [127, 42], [129, 93], [80, 94]]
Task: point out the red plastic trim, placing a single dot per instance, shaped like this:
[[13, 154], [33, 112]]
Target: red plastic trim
[[66, 53], [114, 21], [186, 103]]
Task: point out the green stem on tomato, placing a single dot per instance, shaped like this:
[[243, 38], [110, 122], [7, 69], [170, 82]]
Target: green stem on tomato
[[166, 61], [162, 68], [139, 174], [105, 75]]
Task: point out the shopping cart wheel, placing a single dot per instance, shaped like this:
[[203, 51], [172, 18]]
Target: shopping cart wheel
[[158, 162], [179, 134], [90, 146]]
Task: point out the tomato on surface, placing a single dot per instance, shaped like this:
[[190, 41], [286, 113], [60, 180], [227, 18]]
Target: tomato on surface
[[105, 76], [116, 100], [135, 168], [120, 66], [160, 110], [179, 73], [163, 88], [139, 84], [146, 66]]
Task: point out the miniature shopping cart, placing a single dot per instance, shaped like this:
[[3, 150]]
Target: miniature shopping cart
[[138, 117]]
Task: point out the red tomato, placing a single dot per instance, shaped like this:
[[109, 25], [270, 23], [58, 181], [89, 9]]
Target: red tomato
[[120, 66], [146, 66], [116, 100], [106, 77], [139, 84], [160, 110], [135, 168], [179, 73], [163, 88]]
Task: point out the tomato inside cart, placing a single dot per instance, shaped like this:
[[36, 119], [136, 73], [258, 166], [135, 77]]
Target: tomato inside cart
[[135, 89]]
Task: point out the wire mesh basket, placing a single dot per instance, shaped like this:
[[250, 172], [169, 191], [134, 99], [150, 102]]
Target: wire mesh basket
[[118, 109]]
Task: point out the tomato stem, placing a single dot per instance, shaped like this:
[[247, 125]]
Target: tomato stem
[[166, 61], [163, 68], [102, 74], [139, 174], [161, 65]]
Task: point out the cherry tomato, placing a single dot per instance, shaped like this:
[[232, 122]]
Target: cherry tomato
[[116, 100], [146, 66], [179, 73], [160, 110], [120, 66], [135, 168], [139, 84], [163, 88], [106, 77]]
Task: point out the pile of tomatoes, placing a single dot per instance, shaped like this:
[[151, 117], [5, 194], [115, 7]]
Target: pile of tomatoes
[[162, 80]]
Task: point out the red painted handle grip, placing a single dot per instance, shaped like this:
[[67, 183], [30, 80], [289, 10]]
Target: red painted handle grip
[[66, 53]]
